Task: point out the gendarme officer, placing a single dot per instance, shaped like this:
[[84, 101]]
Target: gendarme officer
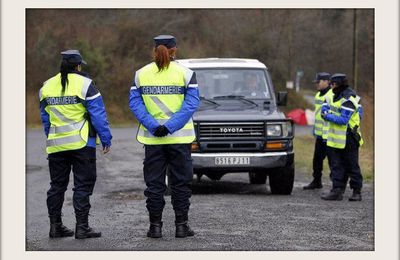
[[72, 113], [320, 129], [342, 111], [163, 98]]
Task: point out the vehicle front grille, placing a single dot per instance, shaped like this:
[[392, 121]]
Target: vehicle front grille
[[231, 130]]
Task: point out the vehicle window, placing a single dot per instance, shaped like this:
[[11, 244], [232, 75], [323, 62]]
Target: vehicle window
[[250, 83]]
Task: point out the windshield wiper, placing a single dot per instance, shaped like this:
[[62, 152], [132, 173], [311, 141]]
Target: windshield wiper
[[242, 98], [209, 101]]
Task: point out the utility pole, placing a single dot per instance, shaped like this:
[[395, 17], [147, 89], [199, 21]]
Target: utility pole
[[355, 50], [289, 39]]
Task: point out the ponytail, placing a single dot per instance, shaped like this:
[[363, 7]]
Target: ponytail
[[163, 56], [64, 74], [65, 68]]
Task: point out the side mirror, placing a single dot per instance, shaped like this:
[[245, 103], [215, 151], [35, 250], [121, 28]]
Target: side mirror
[[282, 98]]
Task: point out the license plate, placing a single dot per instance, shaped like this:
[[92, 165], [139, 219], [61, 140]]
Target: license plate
[[232, 160]]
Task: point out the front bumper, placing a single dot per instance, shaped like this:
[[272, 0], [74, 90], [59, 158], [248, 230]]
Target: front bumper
[[206, 162]]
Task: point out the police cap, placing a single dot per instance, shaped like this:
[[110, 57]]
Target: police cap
[[321, 76], [73, 56], [338, 77], [168, 41]]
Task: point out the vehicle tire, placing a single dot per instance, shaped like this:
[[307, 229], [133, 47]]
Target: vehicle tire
[[215, 176], [199, 175], [257, 177], [281, 180]]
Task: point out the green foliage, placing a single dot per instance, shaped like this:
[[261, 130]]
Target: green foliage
[[95, 58]]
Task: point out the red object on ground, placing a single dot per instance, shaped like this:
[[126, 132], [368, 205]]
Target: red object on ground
[[298, 116]]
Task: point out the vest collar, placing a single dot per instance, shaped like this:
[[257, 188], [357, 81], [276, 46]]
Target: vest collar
[[338, 92], [324, 91], [79, 73], [343, 92]]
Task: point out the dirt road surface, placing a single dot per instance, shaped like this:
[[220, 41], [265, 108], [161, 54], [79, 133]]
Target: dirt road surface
[[229, 214]]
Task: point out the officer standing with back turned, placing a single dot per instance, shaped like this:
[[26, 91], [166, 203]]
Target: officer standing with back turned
[[320, 129], [72, 113], [163, 98], [342, 111]]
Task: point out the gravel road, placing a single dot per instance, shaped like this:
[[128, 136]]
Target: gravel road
[[229, 214]]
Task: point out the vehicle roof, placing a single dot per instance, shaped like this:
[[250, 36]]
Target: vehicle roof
[[221, 63]]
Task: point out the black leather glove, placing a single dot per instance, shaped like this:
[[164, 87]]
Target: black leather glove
[[161, 131]]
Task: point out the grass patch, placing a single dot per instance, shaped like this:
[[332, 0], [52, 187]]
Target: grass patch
[[304, 150]]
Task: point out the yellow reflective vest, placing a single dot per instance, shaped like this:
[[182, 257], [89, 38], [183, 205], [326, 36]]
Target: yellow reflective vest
[[69, 128], [337, 134], [320, 125], [163, 95]]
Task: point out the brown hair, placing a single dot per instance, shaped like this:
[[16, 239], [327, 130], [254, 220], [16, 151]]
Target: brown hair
[[162, 56]]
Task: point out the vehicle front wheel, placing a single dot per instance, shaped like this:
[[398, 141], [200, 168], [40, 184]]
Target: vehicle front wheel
[[215, 176], [257, 177], [281, 180]]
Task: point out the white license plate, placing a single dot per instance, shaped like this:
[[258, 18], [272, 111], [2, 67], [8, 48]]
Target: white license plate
[[232, 160]]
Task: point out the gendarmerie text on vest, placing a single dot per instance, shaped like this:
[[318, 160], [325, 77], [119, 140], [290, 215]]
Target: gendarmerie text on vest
[[66, 100], [162, 90]]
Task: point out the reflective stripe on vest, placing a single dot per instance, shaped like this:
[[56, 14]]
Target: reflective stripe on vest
[[337, 134], [335, 142], [66, 128], [355, 120], [64, 140], [181, 133], [163, 95], [61, 116], [69, 129], [162, 106], [320, 125], [184, 135]]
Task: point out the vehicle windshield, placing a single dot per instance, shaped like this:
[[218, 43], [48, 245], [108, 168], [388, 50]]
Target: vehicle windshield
[[248, 83]]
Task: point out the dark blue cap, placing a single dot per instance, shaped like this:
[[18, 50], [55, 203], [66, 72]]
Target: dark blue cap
[[338, 77], [321, 76], [73, 56], [166, 40]]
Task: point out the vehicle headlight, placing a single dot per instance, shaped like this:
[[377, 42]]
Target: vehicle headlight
[[279, 129], [274, 130]]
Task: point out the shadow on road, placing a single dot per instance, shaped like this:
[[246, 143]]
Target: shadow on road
[[228, 187]]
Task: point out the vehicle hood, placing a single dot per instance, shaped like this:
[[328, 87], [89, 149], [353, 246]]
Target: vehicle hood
[[237, 115]]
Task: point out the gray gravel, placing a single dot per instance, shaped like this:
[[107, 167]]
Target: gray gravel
[[229, 214]]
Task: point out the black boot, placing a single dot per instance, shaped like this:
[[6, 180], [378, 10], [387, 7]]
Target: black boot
[[315, 184], [334, 194], [155, 229], [82, 228], [181, 224], [57, 229], [356, 196]]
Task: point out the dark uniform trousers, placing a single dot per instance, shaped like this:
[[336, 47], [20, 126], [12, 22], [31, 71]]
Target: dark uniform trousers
[[83, 164], [176, 159], [319, 156], [344, 163]]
